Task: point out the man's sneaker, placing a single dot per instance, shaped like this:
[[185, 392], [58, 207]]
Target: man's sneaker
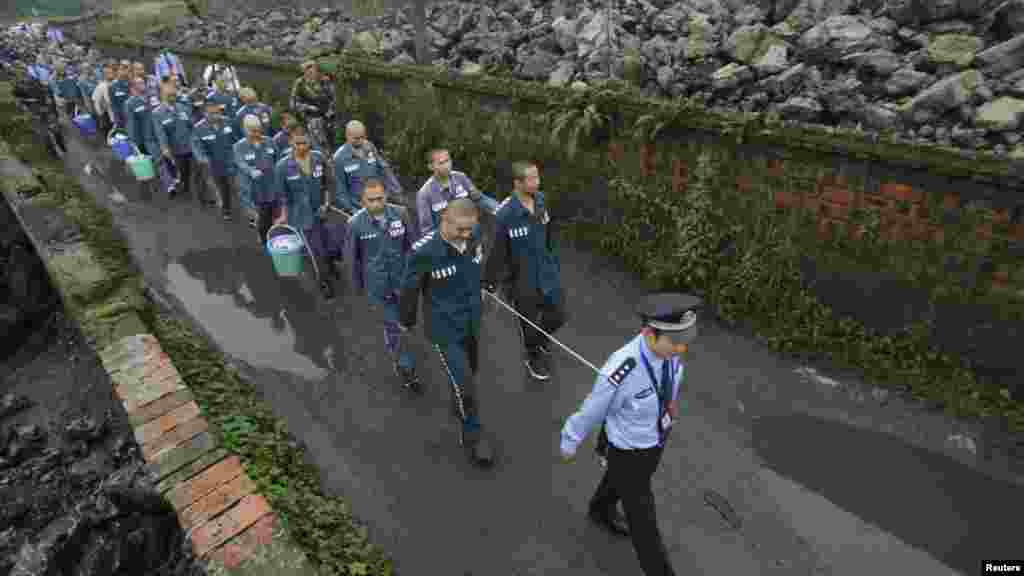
[[172, 191], [227, 217], [252, 222], [478, 448], [327, 291], [537, 365], [410, 380]]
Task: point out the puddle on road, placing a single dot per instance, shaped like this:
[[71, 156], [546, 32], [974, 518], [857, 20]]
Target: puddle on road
[[256, 317], [925, 499]]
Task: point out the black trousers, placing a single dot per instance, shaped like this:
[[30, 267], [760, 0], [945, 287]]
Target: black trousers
[[223, 185], [265, 219], [184, 164], [548, 312], [460, 361], [628, 478]]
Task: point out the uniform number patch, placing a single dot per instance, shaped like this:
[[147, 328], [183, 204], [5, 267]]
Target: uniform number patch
[[446, 272], [519, 232]]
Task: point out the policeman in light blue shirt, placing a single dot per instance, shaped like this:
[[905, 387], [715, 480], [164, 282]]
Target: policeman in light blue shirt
[[637, 399]]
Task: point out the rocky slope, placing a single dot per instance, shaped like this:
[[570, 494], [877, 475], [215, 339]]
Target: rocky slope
[[941, 71]]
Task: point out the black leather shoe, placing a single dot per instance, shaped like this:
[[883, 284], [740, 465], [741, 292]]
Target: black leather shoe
[[478, 448], [613, 523], [327, 291], [410, 380]]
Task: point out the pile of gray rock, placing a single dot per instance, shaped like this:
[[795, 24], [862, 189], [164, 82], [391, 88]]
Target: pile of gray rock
[[941, 71]]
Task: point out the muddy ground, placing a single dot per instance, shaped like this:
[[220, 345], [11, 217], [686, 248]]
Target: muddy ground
[[74, 495]]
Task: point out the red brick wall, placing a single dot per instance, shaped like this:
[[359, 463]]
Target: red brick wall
[[832, 198]]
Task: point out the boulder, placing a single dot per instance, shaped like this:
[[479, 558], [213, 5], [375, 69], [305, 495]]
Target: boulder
[[878, 62], [800, 108], [1002, 58], [1000, 115], [563, 73], [840, 36], [748, 44], [879, 117], [565, 34], [658, 51], [701, 38], [946, 94], [786, 83], [670, 21], [1008, 19], [730, 76], [917, 12], [593, 33], [906, 81], [955, 49], [775, 60], [365, 41], [666, 78]]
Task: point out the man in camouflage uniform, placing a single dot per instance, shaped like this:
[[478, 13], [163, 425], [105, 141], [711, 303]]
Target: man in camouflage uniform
[[312, 99]]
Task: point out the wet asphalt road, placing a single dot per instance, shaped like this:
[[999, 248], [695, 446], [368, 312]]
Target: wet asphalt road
[[823, 478]]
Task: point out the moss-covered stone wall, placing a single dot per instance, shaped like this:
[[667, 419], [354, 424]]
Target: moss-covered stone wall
[[901, 241]]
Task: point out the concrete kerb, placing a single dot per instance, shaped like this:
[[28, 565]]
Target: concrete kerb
[[231, 527]]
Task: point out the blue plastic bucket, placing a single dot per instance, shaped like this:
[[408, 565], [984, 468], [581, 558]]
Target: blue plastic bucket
[[121, 145], [286, 251], [85, 123]]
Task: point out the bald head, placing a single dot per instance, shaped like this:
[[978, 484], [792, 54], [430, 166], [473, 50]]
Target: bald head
[[355, 134], [459, 219]]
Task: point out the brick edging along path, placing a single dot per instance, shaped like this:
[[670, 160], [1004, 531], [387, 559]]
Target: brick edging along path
[[214, 498], [230, 526]]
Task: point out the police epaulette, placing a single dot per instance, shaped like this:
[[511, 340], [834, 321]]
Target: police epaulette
[[353, 217], [504, 202], [622, 371]]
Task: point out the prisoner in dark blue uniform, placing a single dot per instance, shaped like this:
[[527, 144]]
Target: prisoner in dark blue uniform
[[444, 266], [172, 124], [255, 157], [139, 120], [525, 259], [380, 238], [119, 92], [302, 181], [636, 396], [213, 140]]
